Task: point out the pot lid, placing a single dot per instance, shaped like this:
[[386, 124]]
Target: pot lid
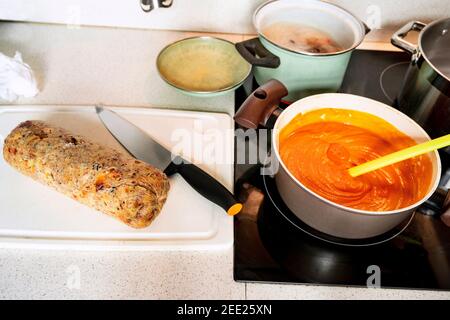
[[434, 42]]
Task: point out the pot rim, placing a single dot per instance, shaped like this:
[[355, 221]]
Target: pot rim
[[422, 52], [223, 90], [349, 209], [304, 53]]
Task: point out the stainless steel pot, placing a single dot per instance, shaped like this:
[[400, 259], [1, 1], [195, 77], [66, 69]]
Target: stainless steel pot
[[316, 211], [425, 94]]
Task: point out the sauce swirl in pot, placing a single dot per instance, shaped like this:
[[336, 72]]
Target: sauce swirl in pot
[[318, 147]]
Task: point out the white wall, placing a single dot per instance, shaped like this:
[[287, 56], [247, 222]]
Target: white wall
[[231, 16]]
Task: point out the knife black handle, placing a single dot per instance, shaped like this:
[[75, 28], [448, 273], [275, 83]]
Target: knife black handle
[[206, 185]]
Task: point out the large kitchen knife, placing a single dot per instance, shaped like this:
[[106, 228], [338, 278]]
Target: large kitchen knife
[[143, 147]]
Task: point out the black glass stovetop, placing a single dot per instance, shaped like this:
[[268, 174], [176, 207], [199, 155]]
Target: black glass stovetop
[[272, 245]]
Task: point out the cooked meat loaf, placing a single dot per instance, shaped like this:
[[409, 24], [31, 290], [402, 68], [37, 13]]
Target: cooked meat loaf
[[100, 177]]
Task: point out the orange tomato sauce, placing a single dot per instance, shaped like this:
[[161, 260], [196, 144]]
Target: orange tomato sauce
[[318, 147]]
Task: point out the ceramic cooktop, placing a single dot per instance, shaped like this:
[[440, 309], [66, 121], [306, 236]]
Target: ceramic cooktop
[[273, 245]]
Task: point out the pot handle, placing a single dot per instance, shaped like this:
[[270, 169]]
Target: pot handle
[[366, 28], [398, 39], [445, 217], [438, 205], [256, 54], [261, 105]]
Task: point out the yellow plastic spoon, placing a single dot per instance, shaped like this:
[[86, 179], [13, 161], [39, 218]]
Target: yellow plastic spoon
[[401, 155]]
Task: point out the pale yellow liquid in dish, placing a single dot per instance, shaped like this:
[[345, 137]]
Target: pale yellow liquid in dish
[[301, 38], [203, 66]]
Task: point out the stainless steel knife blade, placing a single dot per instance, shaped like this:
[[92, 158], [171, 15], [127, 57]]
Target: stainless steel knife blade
[[134, 140], [145, 148]]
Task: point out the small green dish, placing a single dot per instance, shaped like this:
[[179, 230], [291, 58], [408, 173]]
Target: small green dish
[[202, 66]]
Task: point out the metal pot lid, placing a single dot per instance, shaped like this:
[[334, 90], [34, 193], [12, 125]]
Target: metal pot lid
[[434, 44]]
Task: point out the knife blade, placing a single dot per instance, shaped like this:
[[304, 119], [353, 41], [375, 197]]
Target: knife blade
[[143, 147]]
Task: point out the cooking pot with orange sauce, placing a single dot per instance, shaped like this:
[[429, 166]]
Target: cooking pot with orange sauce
[[325, 201]]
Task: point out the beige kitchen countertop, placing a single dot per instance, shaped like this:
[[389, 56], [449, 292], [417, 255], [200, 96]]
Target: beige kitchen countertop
[[83, 66], [117, 67]]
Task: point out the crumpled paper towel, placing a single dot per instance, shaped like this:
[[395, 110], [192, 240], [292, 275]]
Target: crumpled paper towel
[[16, 78]]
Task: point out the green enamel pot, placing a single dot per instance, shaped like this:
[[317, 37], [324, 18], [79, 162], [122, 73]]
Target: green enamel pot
[[303, 73]]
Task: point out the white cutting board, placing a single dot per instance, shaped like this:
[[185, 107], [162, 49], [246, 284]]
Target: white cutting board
[[34, 215]]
